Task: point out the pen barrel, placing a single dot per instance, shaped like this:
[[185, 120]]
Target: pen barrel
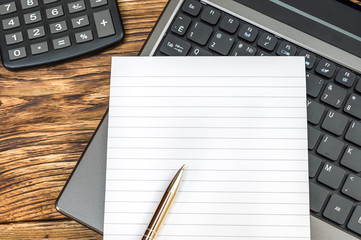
[[159, 216]]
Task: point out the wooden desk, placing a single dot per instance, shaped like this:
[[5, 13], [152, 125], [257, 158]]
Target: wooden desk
[[47, 116]]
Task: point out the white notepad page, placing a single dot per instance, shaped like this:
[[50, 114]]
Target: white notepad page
[[238, 123]]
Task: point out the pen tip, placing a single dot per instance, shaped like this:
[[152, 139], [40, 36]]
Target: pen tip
[[182, 168]]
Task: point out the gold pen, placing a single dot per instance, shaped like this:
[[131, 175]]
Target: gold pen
[[163, 206]]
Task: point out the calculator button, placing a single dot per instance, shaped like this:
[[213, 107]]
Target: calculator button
[[77, 6], [98, 3], [39, 48], [58, 27], [25, 4], [36, 32], [54, 12], [17, 53], [32, 17], [83, 37], [104, 23], [62, 42], [14, 38], [7, 8], [11, 23], [80, 21], [49, 1]]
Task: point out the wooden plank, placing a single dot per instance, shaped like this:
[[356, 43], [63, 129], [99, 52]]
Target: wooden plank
[[46, 230], [48, 115]]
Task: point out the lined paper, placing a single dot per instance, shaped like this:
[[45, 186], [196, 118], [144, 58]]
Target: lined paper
[[238, 123]]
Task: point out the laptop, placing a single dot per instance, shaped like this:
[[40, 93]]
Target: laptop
[[327, 33]]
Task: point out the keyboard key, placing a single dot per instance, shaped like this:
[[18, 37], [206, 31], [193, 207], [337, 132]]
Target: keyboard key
[[229, 24], [174, 46], [83, 37], [14, 38], [335, 122], [262, 53], [11, 23], [313, 136], [314, 84], [197, 51], [17, 53], [355, 221], [310, 58], [318, 197], [354, 133], [181, 24], [39, 48], [7, 8], [210, 15], [326, 68], [330, 147], [25, 4], [314, 111], [98, 3], [62, 42], [243, 49], [314, 164], [267, 41], [358, 86], [79, 22], [286, 49], [77, 6], [192, 7], [248, 32], [345, 77], [352, 187], [331, 175], [200, 33], [334, 95], [37, 32], [352, 159], [58, 27], [338, 208], [221, 43], [32, 17], [353, 105], [54, 12], [104, 23]]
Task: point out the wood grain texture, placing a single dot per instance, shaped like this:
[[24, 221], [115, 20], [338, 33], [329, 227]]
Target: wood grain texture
[[48, 114]]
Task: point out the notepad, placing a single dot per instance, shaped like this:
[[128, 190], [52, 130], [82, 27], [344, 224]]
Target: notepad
[[238, 123]]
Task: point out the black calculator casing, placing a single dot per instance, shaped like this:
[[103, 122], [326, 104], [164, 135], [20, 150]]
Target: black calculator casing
[[84, 32]]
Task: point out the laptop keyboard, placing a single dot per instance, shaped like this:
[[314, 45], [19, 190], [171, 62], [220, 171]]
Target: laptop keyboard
[[334, 103]]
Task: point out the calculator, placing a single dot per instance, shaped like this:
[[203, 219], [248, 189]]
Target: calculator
[[36, 32]]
